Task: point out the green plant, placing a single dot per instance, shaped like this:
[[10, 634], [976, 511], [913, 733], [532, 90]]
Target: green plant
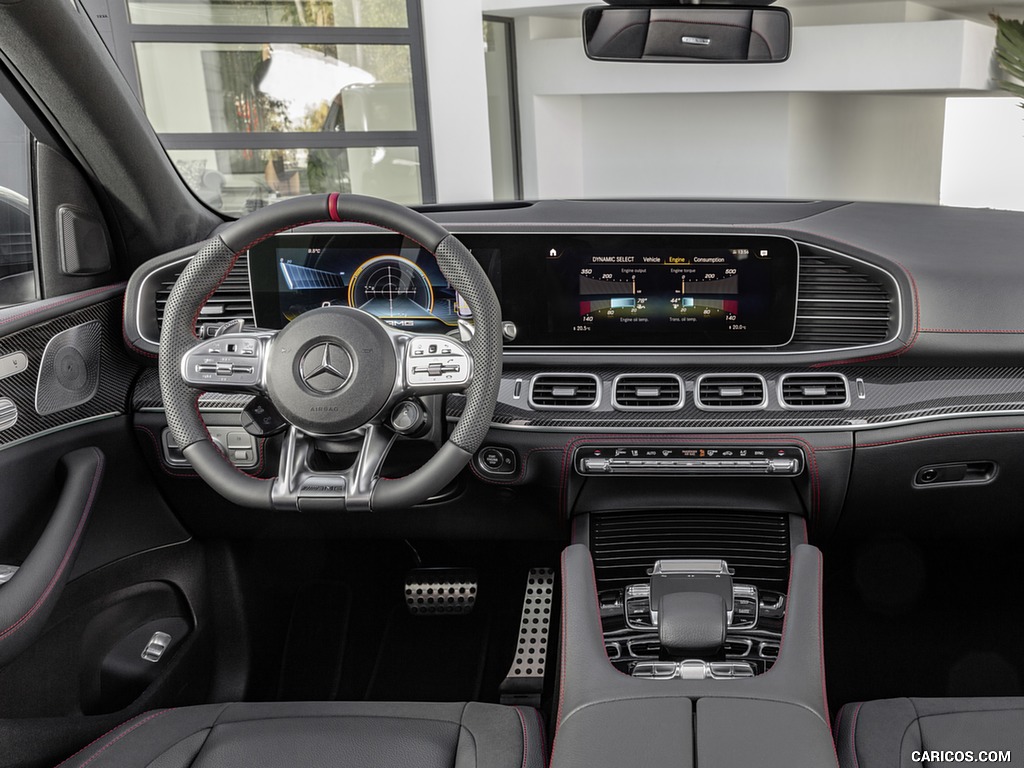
[[1010, 54]]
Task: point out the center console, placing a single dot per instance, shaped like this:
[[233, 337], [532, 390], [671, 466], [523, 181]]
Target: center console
[[703, 646], [644, 558]]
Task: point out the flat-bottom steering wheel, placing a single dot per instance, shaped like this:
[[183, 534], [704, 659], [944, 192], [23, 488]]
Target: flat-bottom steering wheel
[[333, 372]]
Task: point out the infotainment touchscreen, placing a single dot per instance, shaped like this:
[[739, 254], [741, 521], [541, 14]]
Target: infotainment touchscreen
[[650, 290]]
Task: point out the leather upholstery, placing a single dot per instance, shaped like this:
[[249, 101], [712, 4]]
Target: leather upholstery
[[888, 733], [334, 734], [691, 623]]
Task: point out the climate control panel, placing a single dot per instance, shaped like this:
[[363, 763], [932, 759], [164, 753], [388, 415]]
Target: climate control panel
[[712, 459]]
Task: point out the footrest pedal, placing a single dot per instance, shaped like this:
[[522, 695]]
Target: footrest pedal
[[524, 683]]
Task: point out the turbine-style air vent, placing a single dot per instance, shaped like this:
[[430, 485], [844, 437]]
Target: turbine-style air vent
[[654, 392], [731, 392], [814, 391], [565, 391]]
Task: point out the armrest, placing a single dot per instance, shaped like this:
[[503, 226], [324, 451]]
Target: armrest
[[28, 598]]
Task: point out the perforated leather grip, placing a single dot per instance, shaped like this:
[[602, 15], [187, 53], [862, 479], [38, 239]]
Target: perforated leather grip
[[199, 279], [468, 278]]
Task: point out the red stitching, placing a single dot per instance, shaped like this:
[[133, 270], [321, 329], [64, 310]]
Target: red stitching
[[124, 331], [526, 742], [73, 297], [1008, 430], [821, 649], [543, 740], [115, 739], [65, 561], [156, 449], [561, 682], [522, 470], [965, 330], [853, 734]]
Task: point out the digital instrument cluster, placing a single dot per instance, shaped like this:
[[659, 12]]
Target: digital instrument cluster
[[382, 275]]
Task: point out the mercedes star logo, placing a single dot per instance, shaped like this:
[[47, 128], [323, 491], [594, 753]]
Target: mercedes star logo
[[325, 368]]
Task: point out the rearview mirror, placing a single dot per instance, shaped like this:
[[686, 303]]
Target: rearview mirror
[[687, 34]]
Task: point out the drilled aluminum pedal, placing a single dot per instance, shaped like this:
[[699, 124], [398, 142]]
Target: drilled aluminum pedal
[[525, 680], [440, 591]]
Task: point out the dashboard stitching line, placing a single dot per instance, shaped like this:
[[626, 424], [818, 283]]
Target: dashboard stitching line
[[965, 330], [520, 476], [124, 331], [68, 300], [156, 448], [1009, 430]]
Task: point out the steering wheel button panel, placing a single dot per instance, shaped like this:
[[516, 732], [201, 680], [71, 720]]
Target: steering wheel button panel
[[232, 361], [436, 363]]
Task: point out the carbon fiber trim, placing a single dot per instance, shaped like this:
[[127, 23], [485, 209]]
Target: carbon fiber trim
[[890, 395], [116, 372]]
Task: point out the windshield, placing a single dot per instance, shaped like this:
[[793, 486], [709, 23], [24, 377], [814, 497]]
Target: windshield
[[459, 102]]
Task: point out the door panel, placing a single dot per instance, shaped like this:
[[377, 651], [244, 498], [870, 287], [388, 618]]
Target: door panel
[[104, 563]]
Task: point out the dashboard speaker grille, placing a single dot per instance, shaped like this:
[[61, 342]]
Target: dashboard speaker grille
[[566, 391], [731, 392], [648, 392], [814, 390], [842, 302], [231, 300], [625, 545]]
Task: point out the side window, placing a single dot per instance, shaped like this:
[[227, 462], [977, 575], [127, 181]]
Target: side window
[[17, 281]]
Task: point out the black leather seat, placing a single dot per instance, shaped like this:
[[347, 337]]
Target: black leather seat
[[315, 735], [893, 733]]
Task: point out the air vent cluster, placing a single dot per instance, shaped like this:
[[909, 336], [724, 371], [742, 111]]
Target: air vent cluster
[[731, 392], [655, 392], [814, 390], [231, 301], [842, 303], [567, 391]]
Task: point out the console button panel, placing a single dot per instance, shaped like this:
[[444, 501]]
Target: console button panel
[[717, 459]]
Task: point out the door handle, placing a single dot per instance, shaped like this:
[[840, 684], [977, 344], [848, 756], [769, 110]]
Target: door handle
[[27, 600]]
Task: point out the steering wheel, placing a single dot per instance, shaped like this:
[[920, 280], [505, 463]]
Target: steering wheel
[[333, 372]]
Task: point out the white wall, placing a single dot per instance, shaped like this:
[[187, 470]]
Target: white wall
[[457, 88], [885, 147], [983, 155], [857, 113], [687, 145]]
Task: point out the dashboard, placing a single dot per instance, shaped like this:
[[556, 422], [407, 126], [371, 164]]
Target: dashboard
[[892, 330]]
